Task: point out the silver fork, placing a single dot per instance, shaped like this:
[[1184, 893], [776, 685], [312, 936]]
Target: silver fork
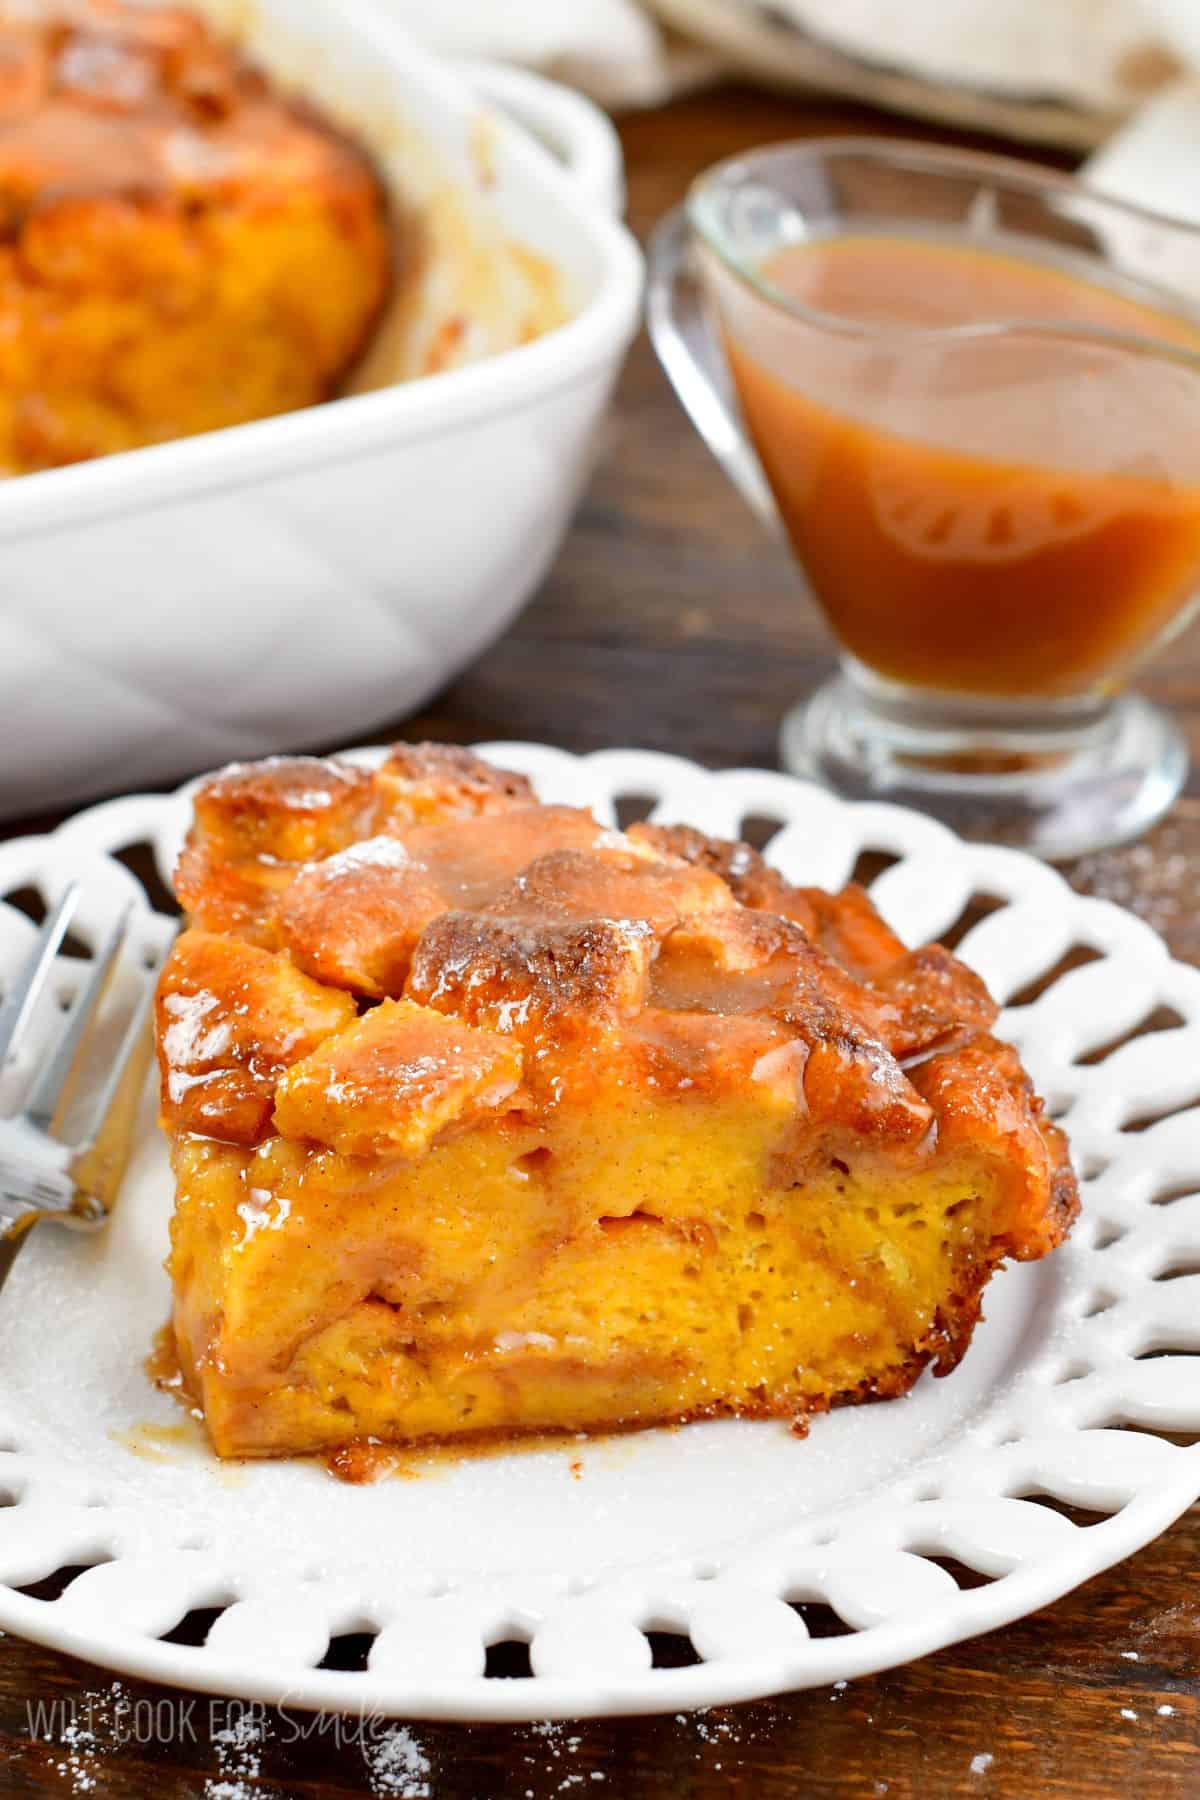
[[47, 1171]]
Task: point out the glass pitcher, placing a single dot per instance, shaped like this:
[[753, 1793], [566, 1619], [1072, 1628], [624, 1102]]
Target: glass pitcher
[[989, 471]]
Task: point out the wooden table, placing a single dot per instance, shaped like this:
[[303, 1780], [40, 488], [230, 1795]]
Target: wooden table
[[671, 622]]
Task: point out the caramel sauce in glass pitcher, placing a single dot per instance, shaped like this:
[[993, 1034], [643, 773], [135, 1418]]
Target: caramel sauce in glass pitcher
[[971, 526]]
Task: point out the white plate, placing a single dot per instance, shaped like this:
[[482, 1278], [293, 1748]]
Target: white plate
[[708, 1532]]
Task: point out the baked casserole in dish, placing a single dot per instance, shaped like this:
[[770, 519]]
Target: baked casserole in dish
[[183, 248], [287, 580]]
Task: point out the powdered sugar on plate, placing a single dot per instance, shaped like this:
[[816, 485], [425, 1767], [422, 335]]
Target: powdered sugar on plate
[[397, 1765], [238, 1746]]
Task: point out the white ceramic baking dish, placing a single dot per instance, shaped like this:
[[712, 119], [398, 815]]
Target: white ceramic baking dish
[[300, 579]]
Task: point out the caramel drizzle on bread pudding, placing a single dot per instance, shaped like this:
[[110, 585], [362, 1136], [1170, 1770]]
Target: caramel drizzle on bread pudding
[[487, 1117]]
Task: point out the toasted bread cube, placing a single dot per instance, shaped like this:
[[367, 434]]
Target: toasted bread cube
[[606, 882], [395, 1081], [255, 825], [230, 1018], [290, 808], [355, 918], [424, 784]]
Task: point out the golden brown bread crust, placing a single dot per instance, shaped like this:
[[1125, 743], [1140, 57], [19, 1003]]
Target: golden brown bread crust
[[286, 808], [230, 1019], [260, 826], [421, 783], [181, 247], [396, 1080], [356, 917], [91, 90], [686, 957], [925, 996]]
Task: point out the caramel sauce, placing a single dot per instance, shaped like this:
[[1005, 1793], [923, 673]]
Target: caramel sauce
[[162, 1364], [97, 98], [154, 1442], [163, 1367], [363, 1461], [974, 527], [160, 1443]]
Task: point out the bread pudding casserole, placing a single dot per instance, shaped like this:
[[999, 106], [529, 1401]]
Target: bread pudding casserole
[[486, 1118], [181, 248]]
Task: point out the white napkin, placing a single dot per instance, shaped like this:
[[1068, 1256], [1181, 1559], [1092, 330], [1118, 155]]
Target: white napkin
[[1081, 50], [1090, 53], [610, 48]]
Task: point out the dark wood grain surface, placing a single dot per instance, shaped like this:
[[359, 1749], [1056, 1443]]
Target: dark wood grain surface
[[671, 622]]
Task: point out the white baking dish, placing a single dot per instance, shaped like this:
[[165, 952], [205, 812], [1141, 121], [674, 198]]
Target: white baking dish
[[303, 578]]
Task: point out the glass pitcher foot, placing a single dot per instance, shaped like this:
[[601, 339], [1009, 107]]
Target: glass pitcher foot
[[1059, 792]]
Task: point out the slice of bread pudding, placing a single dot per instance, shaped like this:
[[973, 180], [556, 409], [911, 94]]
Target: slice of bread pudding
[[486, 1118]]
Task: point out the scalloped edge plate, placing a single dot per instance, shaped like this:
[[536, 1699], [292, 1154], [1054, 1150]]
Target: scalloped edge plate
[[723, 1534]]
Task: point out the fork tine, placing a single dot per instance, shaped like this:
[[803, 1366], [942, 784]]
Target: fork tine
[[98, 1160], [23, 996], [125, 1067], [48, 1090]]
